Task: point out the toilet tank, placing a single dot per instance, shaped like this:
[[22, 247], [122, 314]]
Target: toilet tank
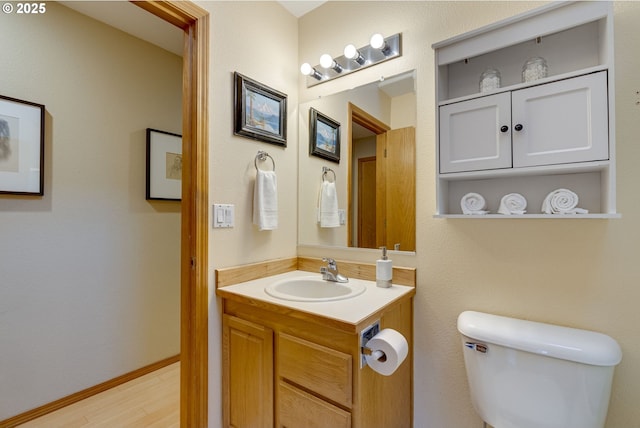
[[525, 374]]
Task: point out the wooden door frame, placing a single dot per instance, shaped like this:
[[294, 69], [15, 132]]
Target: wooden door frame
[[194, 293], [361, 117]]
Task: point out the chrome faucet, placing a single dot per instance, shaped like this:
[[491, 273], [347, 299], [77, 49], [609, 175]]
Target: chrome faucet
[[330, 272]]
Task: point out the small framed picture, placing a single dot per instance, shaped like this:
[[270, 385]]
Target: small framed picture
[[164, 165], [324, 136], [21, 147], [260, 111]]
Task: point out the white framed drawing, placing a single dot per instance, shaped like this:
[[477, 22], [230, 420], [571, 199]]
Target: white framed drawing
[[164, 165], [21, 147]]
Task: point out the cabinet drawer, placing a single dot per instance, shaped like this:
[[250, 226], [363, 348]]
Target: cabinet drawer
[[300, 409], [317, 368]]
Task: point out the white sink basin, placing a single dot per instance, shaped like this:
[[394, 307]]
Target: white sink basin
[[313, 289]]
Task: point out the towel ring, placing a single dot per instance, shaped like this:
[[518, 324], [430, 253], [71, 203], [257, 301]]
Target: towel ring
[[324, 173], [262, 156]]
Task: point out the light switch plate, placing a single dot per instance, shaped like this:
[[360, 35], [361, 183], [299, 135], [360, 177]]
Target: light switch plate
[[223, 215]]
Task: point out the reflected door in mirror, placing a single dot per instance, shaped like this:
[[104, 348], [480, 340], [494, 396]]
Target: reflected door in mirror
[[367, 191], [396, 177]]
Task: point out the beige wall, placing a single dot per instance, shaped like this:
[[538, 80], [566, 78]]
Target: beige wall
[[580, 273], [258, 39], [89, 273]]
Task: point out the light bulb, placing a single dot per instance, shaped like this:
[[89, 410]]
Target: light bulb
[[350, 51], [306, 69], [326, 61], [377, 41]]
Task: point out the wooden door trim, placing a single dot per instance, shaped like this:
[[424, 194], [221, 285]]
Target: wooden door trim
[[194, 298], [361, 117]]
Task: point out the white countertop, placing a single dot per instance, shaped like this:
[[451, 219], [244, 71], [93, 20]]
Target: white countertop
[[352, 310]]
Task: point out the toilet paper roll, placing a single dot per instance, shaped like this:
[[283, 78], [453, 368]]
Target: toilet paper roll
[[394, 349]]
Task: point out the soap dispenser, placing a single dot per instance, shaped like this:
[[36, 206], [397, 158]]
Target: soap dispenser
[[384, 270]]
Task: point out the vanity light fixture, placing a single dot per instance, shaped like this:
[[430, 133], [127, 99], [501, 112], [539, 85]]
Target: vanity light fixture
[[307, 70], [351, 52], [379, 50], [326, 61]]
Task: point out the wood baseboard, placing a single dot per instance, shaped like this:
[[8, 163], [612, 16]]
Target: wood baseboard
[[85, 393]]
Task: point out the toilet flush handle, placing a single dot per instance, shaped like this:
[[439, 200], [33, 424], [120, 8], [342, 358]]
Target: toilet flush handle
[[480, 347]]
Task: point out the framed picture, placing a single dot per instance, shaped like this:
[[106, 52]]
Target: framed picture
[[21, 147], [260, 111], [324, 136], [164, 165]]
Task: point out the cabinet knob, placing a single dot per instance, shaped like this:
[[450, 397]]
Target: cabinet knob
[[518, 127], [504, 128]]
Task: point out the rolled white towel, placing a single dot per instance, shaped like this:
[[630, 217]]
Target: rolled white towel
[[562, 201], [473, 204], [513, 203]]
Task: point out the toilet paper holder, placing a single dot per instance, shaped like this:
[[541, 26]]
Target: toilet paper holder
[[365, 335], [378, 355]]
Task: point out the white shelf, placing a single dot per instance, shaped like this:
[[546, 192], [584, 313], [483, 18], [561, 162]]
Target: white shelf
[[569, 168], [526, 85], [531, 216]]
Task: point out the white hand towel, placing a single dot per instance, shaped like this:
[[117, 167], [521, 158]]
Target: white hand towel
[[562, 201], [328, 205], [473, 204], [265, 200], [513, 203]]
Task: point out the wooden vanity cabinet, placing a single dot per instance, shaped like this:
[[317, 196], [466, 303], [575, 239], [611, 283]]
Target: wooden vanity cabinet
[[287, 370]]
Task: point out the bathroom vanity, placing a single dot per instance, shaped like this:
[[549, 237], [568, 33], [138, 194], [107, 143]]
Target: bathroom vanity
[[299, 363]]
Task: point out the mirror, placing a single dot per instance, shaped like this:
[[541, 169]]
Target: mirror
[[375, 175]]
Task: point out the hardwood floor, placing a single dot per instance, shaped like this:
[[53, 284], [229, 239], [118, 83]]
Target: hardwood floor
[[152, 400]]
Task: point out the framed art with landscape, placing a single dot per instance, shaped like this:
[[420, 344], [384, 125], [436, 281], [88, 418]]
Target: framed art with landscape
[[260, 112], [324, 136]]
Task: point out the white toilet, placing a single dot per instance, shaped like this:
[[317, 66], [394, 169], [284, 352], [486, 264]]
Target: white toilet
[[525, 374]]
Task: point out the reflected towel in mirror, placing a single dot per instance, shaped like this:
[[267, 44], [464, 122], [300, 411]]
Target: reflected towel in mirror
[[265, 200], [328, 215]]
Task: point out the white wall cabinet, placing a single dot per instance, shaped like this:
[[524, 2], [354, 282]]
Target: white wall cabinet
[[529, 137], [555, 123]]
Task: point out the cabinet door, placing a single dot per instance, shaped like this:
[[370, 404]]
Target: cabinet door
[[562, 122], [476, 134], [247, 374]]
